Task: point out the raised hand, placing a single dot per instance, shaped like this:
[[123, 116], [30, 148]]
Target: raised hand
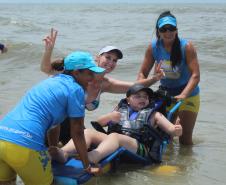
[[50, 40], [159, 73], [49, 45]]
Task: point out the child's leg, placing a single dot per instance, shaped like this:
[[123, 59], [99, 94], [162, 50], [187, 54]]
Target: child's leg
[[162, 122], [111, 144], [91, 136]]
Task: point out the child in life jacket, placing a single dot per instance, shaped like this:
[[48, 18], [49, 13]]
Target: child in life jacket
[[134, 115]]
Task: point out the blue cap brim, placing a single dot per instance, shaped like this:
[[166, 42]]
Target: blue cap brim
[[167, 20], [96, 69]]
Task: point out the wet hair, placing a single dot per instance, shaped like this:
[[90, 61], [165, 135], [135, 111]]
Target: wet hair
[[176, 53], [58, 65]]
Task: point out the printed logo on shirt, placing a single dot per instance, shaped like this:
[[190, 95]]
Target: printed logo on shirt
[[15, 131], [170, 73]]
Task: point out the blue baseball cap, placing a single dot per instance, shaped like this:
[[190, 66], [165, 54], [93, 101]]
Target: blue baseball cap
[[137, 88], [81, 60], [167, 20]]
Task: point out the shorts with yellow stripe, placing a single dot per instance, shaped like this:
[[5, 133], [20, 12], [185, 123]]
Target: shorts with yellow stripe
[[189, 104], [33, 167]]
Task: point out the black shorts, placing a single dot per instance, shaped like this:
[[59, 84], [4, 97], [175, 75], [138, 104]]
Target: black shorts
[[141, 150]]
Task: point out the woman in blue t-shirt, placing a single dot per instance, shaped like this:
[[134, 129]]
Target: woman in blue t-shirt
[[178, 59], [23, 130]]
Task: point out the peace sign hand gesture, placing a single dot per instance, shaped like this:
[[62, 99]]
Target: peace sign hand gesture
[[50, 40], [158, 73]]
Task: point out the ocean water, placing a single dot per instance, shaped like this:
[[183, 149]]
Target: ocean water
[[130, 27]]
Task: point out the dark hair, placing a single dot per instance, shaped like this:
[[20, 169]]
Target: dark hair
[[69, 72], [176, 53], [58, 65]]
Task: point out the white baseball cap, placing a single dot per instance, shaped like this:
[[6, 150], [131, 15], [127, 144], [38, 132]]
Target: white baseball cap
[[111, 48]]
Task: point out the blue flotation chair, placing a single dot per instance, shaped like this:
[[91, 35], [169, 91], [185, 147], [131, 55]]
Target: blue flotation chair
[[72, 172]]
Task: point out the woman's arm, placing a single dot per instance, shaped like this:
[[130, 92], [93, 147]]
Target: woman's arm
[[77, 134], [46, 59], [147, 64], [193, 65], [117, 86], [53, 136]]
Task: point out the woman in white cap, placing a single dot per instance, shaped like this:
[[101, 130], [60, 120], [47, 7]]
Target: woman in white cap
[[107, 58], [23, 130], [178, 60]]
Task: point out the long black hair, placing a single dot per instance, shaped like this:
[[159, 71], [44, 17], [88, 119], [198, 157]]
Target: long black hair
[[176, 53]]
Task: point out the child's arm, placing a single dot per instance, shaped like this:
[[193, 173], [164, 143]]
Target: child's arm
[[158, 119], [112, 116]]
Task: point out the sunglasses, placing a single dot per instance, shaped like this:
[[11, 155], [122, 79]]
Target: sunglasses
[[169, 28]]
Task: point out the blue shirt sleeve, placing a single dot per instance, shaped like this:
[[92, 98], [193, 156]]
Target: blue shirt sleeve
[[76, 104]]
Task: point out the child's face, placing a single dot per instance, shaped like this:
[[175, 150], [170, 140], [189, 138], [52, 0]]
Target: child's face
[[138, 101], [108, 61]]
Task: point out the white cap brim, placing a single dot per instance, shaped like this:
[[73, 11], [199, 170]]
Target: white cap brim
[[111, 48]]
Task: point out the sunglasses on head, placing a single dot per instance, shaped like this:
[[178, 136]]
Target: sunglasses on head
[[169, 28]]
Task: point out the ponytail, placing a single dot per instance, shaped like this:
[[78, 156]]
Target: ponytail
[[176, 53], [58, 65]]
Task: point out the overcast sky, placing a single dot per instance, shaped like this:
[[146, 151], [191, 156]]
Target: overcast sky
[[112, 1]]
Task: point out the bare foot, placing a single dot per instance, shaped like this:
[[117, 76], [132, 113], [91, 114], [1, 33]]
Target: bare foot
[[93, 157], [57, 154]]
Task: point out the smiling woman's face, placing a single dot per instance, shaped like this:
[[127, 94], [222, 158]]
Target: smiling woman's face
[[167, 33], [108, 61]]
